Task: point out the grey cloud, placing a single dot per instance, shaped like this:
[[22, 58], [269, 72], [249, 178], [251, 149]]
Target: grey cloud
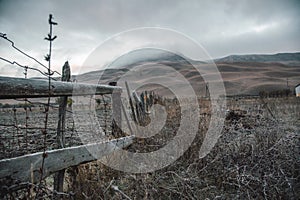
[[218, 25]]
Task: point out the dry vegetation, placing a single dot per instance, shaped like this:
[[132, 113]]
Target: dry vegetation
[[257, 157]]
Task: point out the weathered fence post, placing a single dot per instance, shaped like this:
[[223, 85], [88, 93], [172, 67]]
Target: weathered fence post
[[116, 112], [130, 102], [59, 176]]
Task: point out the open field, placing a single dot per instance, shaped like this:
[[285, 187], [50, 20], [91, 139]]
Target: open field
[[256, 156]]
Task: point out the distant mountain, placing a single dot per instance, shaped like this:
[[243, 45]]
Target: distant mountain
[[285, 58], [241, 74], [147, 55], [123, 64]]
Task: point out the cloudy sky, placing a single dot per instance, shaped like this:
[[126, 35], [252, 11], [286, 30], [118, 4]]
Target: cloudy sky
[[222, 28]]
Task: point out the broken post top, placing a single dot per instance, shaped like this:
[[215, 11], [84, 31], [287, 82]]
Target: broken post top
[[66, 72]]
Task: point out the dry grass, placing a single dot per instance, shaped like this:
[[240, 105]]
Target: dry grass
[[255, 158]]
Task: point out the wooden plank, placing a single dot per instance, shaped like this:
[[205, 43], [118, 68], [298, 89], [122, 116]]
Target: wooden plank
[[32, 88], [27, 168]]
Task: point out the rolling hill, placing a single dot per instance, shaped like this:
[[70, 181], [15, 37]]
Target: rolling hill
[[241, 74], [284, 58]]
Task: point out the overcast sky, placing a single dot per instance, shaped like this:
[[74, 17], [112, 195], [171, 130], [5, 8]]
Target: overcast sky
[[222, 27]]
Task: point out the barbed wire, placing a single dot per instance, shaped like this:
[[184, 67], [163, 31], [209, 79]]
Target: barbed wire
[[3, 35], [39, 137], [24, 66], [45, 130], [20, 125], [53, 106]]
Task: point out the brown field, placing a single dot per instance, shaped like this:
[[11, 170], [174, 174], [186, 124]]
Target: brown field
[[256, 157]]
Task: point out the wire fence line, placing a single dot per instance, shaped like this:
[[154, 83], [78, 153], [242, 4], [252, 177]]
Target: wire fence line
[[36, 190], [34, 129], [48, 74], [45, 131], [4, 36]]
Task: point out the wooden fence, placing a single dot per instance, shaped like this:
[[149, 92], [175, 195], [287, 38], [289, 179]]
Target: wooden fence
[[27, 168]]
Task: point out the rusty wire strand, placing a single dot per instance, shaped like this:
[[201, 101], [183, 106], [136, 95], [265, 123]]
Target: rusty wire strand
[[3, 35], [43, 104], [47, 58], [24, 66]]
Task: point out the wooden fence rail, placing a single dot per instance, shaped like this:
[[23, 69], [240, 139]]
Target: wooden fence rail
[[34, 88], [27, 168]]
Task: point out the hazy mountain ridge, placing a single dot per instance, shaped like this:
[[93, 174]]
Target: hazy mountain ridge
[[276, 58], [242, 74]]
